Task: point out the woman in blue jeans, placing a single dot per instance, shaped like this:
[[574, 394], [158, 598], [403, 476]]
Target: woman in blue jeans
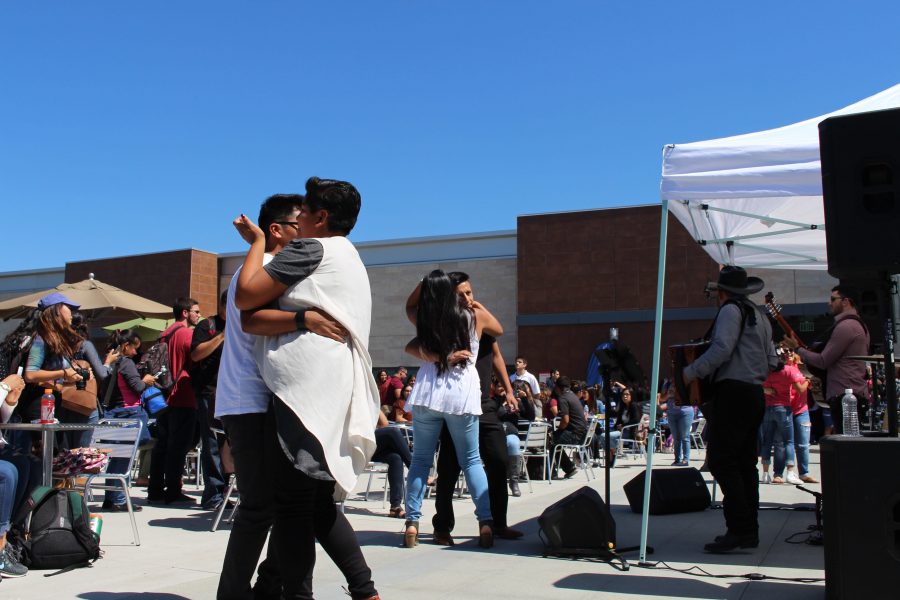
[[447, 391], [680, 420], [125, 403], [802, 428], [781, 389]]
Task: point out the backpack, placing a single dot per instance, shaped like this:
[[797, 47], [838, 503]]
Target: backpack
[[59, 534], [156, 362]]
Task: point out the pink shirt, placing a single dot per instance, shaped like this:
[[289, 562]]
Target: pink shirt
[[783, 383]]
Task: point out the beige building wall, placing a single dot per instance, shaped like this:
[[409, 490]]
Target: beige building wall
[[794, 287]]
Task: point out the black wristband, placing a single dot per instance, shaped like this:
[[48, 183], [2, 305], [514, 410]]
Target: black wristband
[[300, 319]]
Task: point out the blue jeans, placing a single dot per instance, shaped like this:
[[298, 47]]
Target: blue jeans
[[680, 425], [778, 430], [119, 464], [9, 479], [463, 430], [513, 445], [802, 429]]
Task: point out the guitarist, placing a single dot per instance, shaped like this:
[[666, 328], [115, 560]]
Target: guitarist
[[738, 360], [848, 337]]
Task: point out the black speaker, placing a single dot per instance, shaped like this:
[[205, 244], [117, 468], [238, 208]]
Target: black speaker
[[579, 524], [861, 516], [861, 190], [671, 491]]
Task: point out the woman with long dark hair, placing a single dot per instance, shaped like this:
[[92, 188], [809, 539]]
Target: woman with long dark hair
[[448, 392]]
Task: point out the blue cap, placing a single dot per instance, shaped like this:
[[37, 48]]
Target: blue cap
[[56, 298]]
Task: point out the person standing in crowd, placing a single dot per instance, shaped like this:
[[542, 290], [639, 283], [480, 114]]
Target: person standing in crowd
[[740, 357], [326, 410], [681, 419], [848, 337], [50, 359], [175, 427], [124, 402], [572, 424], [781, 388], [523, 374], [491, 436], [447, 392], [206, 355], [802, 422]]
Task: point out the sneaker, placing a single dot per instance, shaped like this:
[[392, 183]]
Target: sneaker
[[766, 478], [110, 507], [793, 479], [9, 566]]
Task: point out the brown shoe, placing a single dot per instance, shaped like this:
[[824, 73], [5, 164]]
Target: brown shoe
[[777, 479], [808, 479], [442, 538], [486, 536], [411, 534], [507, 533]]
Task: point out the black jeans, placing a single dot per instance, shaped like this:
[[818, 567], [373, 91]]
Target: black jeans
[[305, 511], [391, 448], [737, 413], [213, 478], [250, 436], [175, 433], [492, 447], [566, 436]]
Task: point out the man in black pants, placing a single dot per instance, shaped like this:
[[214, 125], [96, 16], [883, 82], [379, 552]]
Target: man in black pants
[[572, 424], [739, 359], [491, 439]]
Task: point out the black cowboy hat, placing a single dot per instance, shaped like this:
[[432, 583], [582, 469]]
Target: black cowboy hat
[[734, 279]]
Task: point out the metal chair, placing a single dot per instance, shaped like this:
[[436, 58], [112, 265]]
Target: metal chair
[[583, 450], [697, 426], [121, 437], [534, 445], [377, 468], [636, 446], [232, 485]]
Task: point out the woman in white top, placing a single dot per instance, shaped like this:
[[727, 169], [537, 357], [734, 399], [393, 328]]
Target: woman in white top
[[447, 391]]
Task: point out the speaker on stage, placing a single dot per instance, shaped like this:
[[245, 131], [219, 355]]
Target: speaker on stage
[[861, 190], [861, 516], [579, 524], [671, 491]]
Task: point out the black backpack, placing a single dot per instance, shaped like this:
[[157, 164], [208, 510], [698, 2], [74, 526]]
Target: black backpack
[[156, 362], [59, 534]]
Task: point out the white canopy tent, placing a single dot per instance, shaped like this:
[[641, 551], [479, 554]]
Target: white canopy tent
[[753, 200]]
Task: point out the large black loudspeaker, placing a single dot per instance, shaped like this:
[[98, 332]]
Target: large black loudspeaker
[[861, 515], [861, 187], [578, 524], [671, 491]]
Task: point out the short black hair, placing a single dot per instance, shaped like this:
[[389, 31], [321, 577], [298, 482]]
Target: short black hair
[[223, 297], [182, 304], [277, 208], [563, 383], [848, 292], [458, 277], [339, 198]]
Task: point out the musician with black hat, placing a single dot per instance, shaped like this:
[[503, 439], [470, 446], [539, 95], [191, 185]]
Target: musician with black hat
[[740, 357]]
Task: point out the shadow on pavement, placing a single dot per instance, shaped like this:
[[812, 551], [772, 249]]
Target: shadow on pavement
[[130, 596]]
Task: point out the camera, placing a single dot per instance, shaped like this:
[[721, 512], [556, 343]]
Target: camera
[[85, 375]]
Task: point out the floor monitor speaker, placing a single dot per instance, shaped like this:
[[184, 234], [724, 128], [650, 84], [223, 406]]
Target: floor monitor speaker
[[861, 190], [671, 491], [579, 524], [861, 515]]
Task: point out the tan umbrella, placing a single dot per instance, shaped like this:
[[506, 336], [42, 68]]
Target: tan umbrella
[[97, 299]]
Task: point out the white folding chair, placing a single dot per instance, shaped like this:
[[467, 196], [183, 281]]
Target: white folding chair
[[121, 438], [583, 450], [697, 426], [534, 445], [232, 484], [630, 446]]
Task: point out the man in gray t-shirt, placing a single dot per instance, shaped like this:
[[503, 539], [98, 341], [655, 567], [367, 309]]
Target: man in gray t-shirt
[[572, 424]]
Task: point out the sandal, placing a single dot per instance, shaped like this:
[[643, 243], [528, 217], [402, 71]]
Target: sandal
[[397, 512], [411, 535]]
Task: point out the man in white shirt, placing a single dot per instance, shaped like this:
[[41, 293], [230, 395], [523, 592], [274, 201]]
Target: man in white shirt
[[524, 375]]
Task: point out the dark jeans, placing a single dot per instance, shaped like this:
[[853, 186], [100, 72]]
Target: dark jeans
[[737, 413], [175, 432], [492, 447], [305, 511], [251, 437], [120, 464], [566, 436], [391, 448], [67, 440], [213, 478], [30, 474]]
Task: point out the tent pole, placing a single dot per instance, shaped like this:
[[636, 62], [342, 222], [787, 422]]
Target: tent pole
[[654, 377]]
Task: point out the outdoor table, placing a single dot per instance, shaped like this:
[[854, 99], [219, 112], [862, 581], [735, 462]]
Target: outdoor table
[[48, 439]]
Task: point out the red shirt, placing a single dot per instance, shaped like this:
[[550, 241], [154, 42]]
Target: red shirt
[[783, 383], [179, 362], [390, 396]]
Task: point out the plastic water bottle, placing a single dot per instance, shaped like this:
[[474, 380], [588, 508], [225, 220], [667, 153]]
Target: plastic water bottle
[[48, 405], [851, 418]]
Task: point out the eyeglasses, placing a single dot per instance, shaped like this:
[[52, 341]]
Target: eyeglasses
[[833, 298], [294, 223]]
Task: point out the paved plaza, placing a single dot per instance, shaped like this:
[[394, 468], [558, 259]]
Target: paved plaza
[[180, 558]]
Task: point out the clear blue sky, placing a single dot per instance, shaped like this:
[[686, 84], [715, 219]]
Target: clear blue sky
[[132, 127]]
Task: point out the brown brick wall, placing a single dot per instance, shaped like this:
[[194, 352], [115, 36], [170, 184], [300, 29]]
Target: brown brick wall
[[604, 260]]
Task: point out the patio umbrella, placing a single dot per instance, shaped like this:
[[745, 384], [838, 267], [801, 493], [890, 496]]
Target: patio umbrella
[[147, 329], [97, 299]]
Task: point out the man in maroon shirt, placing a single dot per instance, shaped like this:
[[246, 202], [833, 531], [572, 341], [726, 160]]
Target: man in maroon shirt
[[175, 427], [394, 394]]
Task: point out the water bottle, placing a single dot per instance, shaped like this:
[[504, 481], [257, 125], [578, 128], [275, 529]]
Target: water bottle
[[48, 404], [851, 418]]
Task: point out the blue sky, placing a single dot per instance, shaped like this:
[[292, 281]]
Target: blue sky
[[133, 127]]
